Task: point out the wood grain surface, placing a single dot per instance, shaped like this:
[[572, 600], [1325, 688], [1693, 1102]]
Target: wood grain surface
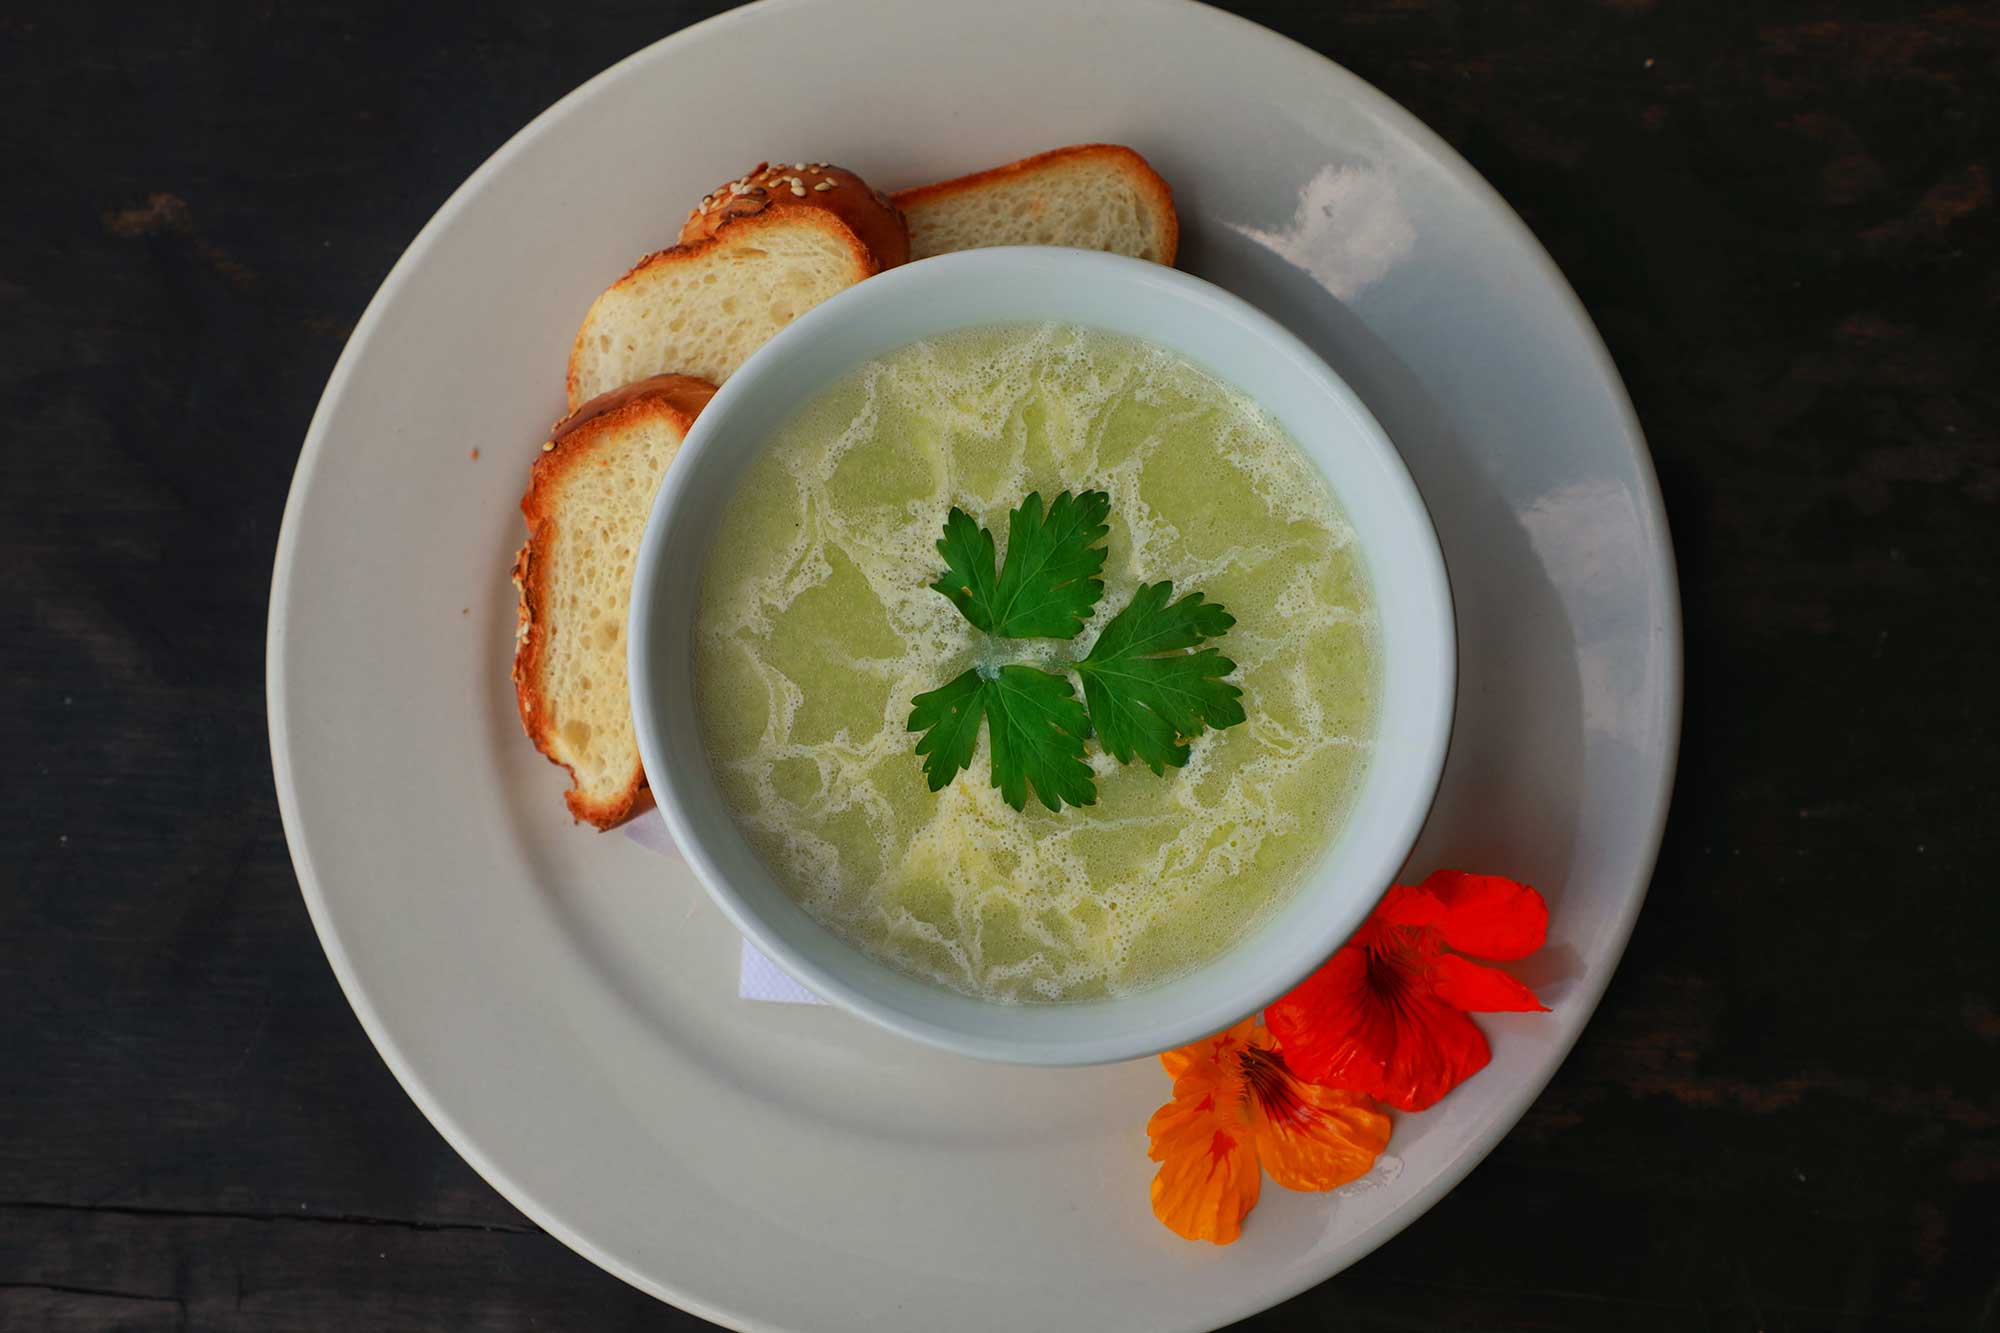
[[1782, 217]]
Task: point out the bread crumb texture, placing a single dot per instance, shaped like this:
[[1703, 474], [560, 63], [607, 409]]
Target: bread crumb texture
[[1094, 198], [589, 504], [702, 309]]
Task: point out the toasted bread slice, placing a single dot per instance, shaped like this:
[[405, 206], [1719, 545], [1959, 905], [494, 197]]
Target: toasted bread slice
[[1095, 196], [701, 309], [791, 186], [587, 501]]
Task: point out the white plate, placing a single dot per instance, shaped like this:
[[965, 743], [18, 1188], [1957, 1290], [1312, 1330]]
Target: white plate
[[562, 1005]]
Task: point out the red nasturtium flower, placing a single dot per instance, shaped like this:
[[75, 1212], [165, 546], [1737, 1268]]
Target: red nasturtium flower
[[1236, 1105], [1386, 1015]]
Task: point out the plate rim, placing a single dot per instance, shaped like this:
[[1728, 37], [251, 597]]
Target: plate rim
[[1662, 578]]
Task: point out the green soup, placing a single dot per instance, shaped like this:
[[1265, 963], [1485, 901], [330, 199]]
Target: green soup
[[817, 626]]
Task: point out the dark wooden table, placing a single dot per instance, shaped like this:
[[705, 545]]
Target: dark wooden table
[[1781, 215]]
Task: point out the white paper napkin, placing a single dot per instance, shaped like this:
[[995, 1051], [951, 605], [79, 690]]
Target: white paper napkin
[[757, 977]]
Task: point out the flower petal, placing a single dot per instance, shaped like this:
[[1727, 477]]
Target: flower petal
[[1179, 1124], [1408, 905], [1334, 1029], [1475, 988], [1339, 1146], [1208, 1180], [1203, 1059], [1379, 1031], [1437, 1048], [1307, 1137], [1488, 916]]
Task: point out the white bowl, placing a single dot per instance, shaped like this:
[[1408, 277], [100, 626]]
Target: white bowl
[[1239, 345]]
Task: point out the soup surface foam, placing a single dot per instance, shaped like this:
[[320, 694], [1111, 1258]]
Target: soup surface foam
[[817, 625]]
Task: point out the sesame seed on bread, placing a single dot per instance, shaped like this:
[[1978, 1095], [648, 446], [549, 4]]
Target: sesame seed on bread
[[769, 188]]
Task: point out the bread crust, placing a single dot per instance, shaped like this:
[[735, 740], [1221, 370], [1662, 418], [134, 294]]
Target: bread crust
[[742, 232], [676, 399], [768, 189], [1146, 180]]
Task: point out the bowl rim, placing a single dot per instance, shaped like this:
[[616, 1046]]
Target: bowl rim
[[670, 772]]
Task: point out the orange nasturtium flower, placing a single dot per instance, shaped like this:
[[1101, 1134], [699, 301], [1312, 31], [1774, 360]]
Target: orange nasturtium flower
[[1237, 1105], [1386, 1015]]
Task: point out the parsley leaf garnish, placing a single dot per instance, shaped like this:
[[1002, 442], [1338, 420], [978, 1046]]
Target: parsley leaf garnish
[[1145, 691], [949, 717], [1049, 583], [1038, 732]]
